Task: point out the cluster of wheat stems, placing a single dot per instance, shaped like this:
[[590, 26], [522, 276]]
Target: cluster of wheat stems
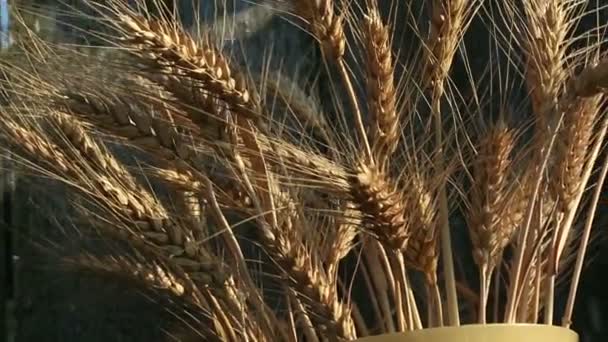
[[339, 210]]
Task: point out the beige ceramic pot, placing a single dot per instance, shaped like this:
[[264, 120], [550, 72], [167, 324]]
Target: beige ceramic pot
[[482, 333]]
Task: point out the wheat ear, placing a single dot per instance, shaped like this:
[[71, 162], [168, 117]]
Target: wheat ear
[[340, 241], [381, 93], [576, 135], [385, 213], [567, 316], [491, 225], [306, 275], [383, 205], [422, 253], [571, 151], [152, 134], [325, 25], [449, 19], [547, 26], [175, 53]]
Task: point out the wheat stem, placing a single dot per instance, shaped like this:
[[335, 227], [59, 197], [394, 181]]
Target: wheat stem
[[383, 285], [484, 278], [309, 330], [537, 291], [444, 220], [402, 302], [438, 304], [374, 291]]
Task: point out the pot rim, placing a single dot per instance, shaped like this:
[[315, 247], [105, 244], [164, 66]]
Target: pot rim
[[536, 327]]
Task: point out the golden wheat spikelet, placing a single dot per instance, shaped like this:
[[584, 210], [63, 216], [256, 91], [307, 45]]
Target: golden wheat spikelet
[[489, 197], [383, 205], [173, 52], [325, 25], [571, 151], [546, 43], [422, 253], [448, 20], [381, 93]]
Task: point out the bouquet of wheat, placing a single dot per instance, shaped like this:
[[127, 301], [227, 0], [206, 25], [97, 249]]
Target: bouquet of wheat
[[361, 199]]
